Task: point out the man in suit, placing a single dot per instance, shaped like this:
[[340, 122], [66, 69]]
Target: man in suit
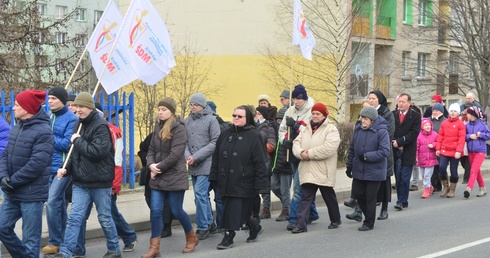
[[407, 128]]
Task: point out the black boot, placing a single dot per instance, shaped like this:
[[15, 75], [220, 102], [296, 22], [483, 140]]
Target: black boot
[[356, 215], [383, 214], [254, 230], [227, 241], [351, 203], [166, 231]]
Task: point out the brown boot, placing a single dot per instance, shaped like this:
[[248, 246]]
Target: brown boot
[[445, 189], [191, 241], [284, 215], [154, 250], [452, 189]]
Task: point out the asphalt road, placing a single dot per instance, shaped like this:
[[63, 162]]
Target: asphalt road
[[434, 227]]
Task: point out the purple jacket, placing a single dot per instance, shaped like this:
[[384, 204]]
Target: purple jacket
[[479, 144]]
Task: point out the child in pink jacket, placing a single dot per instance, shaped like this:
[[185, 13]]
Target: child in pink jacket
[[426, 154]]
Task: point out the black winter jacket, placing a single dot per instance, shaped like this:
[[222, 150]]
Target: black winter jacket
[[239, 166], [27, 158], [92, 161]]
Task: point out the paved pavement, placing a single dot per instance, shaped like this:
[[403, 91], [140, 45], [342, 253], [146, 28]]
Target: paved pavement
[[132, 205]]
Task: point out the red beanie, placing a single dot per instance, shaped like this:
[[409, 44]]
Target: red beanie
[[437, 98], [31, 100], [320, 107]]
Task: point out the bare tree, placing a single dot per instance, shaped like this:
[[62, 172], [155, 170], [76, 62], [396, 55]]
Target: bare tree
[[35, 51], [340, 42]]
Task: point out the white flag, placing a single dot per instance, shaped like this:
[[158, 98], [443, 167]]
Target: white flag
[[302, 35], [118, 71], [149, 46]]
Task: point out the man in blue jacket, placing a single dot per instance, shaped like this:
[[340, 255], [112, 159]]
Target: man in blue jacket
[[62, 121], [24, 175]]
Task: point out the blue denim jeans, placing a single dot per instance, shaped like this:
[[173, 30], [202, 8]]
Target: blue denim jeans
[[402, 177], [204, 214], [124, 231], [218, 201], [293, 208], [453, 166], [82, 199], [176, 200], [56, 214], [32, 216]]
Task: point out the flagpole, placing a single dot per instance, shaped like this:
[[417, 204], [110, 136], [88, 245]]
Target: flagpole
[[290, 93], [75, 69], [98, 81]]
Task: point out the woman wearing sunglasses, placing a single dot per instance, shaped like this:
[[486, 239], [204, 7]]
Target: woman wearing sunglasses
[[239, 170]]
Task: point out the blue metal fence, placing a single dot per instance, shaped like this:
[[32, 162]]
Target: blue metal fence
[[120, 109]]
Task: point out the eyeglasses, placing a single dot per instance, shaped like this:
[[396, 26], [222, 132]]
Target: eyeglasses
[[239, 116], [192, 105]]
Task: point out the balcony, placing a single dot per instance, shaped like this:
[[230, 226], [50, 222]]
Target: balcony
[[361, 27], [383, 27]]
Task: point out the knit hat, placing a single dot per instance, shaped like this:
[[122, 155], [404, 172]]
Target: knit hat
[[31, 100], [60, 93], [281, 112], [71, 98], [212, 105], [299, 92], [84, 99], [475, 111], [320, 107], [284, 94], [263, 110], [199, 99], [437, 98], [454, 107], [263, 96], [369, 112], [438, 106], [169, 103]]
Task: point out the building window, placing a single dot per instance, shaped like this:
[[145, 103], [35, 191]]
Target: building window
[[61, 38], [83, 66], [405, 64], [97, 16], [41, 60], [422, 64], [61, 11], [80, 40], [453, 63], [81, 14], [425, 11], [60, 65], [41, 8], [407, 12]]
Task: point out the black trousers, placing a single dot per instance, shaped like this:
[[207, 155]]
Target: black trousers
[[307, 198], [366, 193]]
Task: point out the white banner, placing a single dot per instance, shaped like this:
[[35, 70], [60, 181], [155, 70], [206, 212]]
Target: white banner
[[149, 47], [119, 71], [302, 35]]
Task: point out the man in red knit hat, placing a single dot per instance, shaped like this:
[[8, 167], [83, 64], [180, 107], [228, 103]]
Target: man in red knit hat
[[24, 174], [435, 99]]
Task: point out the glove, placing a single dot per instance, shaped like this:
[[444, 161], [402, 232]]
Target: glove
[[290, 121], [5, 185], [361, 157], [288, 143], [348, 172]]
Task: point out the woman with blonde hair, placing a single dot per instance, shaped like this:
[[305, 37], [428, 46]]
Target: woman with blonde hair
[[166, 162]]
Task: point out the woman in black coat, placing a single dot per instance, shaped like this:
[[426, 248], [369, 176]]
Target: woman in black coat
[[240, 172]]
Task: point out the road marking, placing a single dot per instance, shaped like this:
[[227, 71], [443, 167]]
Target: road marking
[[457, 248]]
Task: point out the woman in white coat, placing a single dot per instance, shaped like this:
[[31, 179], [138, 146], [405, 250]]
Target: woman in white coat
[[316, 147]]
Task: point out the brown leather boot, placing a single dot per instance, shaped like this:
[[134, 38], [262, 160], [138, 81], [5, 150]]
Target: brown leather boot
[[445, 189], [191, 241], [154, 250]]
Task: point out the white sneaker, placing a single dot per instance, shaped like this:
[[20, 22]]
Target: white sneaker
[[482, 192]]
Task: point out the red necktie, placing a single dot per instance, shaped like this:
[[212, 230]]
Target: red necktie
[[401, 117]]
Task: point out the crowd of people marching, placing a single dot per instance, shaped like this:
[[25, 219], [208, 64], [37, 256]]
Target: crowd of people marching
[[263, 150]]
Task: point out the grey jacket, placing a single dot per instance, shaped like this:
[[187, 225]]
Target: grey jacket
[[202, 133]]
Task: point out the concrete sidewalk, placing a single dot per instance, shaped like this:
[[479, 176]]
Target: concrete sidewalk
[[132, 205]]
